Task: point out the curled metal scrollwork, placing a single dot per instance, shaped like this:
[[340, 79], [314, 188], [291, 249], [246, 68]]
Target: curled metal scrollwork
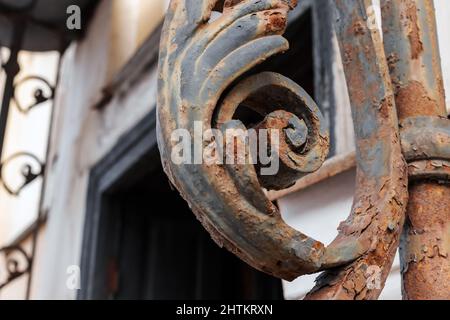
[[17, 263], [40, 94], [202, 71], [30, 172], [425, 145]]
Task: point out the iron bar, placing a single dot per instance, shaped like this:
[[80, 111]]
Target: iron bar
[[28, 173], [381, 167], [40, 96], [412, 49]]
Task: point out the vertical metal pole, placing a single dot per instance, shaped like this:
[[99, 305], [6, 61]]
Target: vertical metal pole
[[12, 68], [412, 51]]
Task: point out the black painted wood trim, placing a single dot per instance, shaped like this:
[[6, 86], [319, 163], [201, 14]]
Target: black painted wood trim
[[136, 147]]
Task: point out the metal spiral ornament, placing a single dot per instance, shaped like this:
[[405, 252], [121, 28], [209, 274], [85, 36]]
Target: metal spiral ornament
[[202, 81], [45, 92]]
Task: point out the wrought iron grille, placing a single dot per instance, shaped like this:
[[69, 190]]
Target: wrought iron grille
[[401, 130], [17, 261]]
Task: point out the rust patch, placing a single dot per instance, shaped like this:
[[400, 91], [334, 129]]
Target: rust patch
[[231, 3], [392, 60], [275, 21], [359, 28], [417, 100], [379, 206], [228, 199], [414, 33], [418, 85]]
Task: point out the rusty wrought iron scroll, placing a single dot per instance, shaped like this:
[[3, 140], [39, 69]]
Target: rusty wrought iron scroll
[[203, 80]]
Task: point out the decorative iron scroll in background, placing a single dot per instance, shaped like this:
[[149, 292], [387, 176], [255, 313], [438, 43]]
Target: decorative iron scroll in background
[[16, 261]]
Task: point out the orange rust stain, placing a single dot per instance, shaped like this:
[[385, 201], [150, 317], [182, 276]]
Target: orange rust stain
[[392, 60], [414, 34], [426, 258], [359, 28]]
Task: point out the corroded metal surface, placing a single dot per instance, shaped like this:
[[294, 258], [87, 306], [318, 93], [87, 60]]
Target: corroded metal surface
[[425, 138], [30, 170], [16, 264], [436, 170], [228, 200], [379, 206], [412, 48], [425, 246], [198, 62]]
